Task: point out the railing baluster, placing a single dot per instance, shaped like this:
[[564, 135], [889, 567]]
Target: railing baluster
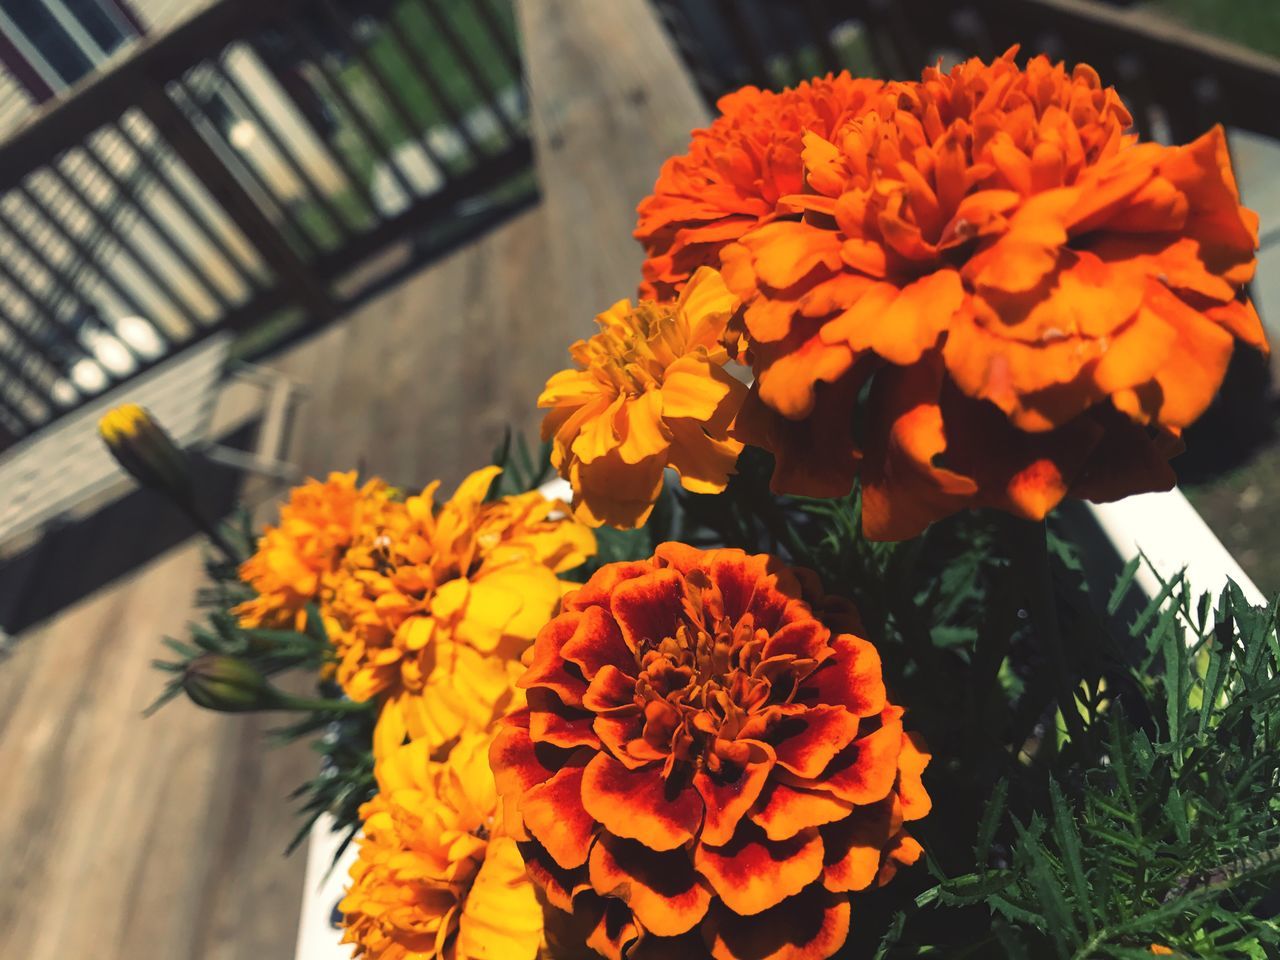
[[18, 371], [30, 345], [194, 217], [176, 128], [305, 34], [130, 195], [393, 98], [458, 47], [42, 311], [9, 405], [352, 175], [484, 12], [143, 262], [407, 49], [298, 169], [86, 255], [57, 274], [199, 117], [141, 207]]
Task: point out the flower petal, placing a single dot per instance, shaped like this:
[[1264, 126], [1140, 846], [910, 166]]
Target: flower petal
[[649, 608], [728, 798], [807, 742], [812, 925], [640, 804], [501, 917], [553, 814], [662, 889], [864, 771], [783, 810], [752, 873], [852, 847], [852, 678], [597, 642]]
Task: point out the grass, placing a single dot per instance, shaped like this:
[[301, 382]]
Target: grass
[[1253, 23]]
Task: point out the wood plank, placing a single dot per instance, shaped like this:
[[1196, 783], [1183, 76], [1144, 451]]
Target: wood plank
[[162, 837], [610, 101], [111, 842]]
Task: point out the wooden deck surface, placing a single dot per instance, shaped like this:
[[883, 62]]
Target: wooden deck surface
[[161, 838]]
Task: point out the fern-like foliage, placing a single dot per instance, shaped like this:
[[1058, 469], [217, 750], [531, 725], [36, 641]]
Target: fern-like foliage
[[1164, 831]]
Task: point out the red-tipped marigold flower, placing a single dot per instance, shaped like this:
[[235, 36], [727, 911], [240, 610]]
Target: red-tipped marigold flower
[[735, 173], [708, 763], [650, 391], [1041, 302]]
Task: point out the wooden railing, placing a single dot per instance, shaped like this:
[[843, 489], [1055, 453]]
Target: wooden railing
[[235, 172], [1177, 81]]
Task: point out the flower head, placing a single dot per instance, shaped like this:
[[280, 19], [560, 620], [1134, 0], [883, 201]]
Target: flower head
[[229, 684], [650, 391], [145, 450], [296, 558], [433, 604], [707, 761], [437, 876], [735, 173], [997, 238]]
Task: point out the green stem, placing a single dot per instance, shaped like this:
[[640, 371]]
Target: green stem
[[1031, 566], [210, 530], [289, 702]]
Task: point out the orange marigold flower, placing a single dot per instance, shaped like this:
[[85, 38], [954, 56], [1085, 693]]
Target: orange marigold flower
[[735, 173], [707, 761], [650, 391], [1000, 228], [433, 605], [295, 558], [437, 876], [1159, 948]]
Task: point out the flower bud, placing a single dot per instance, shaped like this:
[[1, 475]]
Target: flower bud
[[146, 451], [218, 682]]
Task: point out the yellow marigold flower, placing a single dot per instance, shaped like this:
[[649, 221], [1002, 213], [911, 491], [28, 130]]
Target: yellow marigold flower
[[650, 391], [295, 558], [433, 605], [437, 877]]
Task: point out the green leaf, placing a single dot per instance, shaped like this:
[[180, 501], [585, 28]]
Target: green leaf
[[1068, 838], [1123, 583]]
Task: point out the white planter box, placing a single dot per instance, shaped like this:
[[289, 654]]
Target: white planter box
[[1173, 537], [318, 938]]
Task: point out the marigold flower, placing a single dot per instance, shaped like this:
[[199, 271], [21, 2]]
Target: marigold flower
[[735, 173], [433, 605], [650, 391], [708, 761], [295, 558], [437, 876], [999, 228]]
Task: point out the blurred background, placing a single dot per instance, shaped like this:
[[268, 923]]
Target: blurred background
[[324, 234]]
